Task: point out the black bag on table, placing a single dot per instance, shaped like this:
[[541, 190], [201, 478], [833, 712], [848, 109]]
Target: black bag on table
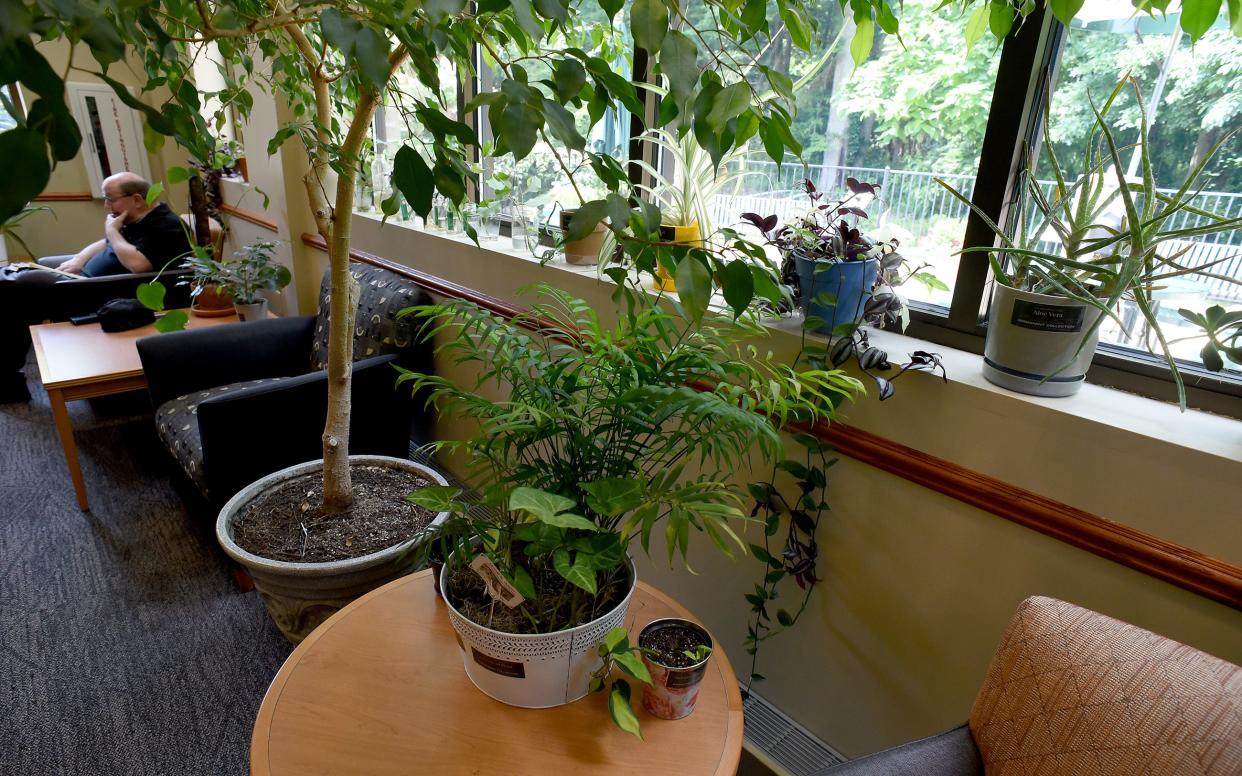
[[123, 315]]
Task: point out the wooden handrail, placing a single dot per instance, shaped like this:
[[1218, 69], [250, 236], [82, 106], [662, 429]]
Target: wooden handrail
[[1188, 569], [251, 216], [64, 196]]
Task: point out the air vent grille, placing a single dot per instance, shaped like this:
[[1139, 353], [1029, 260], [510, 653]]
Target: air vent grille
[[783, 742]]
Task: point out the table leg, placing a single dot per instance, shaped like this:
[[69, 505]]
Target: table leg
[[63, 427]]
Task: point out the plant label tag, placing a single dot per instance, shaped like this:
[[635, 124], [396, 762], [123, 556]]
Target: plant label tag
[[498, 587], [1047, 317]]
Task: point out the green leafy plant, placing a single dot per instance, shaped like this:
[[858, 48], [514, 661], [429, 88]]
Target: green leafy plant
[[333, 64], [616, 651], [591, 449], [11, 226], [254, 270], [1223, 330], [699, 653], [686, 195], [1102, 262]]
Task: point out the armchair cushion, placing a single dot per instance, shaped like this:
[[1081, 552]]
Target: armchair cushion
[[381, 295], [176, 422], [951, 753], [1073, 691]]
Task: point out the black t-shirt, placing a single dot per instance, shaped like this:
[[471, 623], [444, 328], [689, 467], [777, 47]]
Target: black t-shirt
[[160, 236]]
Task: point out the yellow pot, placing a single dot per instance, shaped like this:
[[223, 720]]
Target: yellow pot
[[683, 235]]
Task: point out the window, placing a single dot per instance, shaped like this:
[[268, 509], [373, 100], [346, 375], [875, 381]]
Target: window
[[1191, 100], [11, 108]]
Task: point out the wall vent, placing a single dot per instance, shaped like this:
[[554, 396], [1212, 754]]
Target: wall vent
[[780, 742]]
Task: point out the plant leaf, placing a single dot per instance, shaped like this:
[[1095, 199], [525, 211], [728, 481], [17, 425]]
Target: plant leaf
[[620, 710]]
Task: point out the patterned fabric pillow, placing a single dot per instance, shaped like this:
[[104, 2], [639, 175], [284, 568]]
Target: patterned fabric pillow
[[381, 295], [176, 422], [1071, 691]]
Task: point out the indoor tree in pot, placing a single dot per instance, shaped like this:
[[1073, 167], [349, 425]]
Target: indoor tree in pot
[[1115, 242], [588, 454], [333, 64]]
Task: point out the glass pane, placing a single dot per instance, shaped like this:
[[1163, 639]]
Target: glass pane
[[7, 121], [390, 129], [537, 186], [907, 115], [1192, 100]]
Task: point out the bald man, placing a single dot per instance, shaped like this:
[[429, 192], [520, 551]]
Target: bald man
[[138, 237]]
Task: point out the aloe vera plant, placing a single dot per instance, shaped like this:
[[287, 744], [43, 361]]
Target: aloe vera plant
[[1102, 264]]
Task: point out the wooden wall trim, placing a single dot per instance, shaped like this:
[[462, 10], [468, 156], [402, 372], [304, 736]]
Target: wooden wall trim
[[1189, 569], [251, 216], [64, 196]]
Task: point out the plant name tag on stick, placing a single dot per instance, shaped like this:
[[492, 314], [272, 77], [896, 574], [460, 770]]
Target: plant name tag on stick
[[498, 587]]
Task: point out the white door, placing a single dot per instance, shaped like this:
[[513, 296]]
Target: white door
[[111, 133]]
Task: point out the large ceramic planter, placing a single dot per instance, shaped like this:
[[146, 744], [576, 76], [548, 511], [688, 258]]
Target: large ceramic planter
[[1032, 336], [850, 283], [534, 671], [299, 596]]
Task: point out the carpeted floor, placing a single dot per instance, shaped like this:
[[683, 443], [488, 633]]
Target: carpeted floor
[[124, 646]]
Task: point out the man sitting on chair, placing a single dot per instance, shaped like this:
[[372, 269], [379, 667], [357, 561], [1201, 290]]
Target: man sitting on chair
[[138, 237]]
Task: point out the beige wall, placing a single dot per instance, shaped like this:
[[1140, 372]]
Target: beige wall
[[917, 586], [70, 226]]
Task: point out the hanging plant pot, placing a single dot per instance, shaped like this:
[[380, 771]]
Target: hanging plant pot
[[1031, 336], [683, 235], [675, 675], [251, 311], [850, 283], [534, 671], [583, 251]]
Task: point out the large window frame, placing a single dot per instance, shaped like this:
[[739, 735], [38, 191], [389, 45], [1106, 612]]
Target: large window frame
[[1028, 66]]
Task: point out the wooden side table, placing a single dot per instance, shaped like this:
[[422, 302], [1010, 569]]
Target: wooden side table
[[379, 689], [82, 362]]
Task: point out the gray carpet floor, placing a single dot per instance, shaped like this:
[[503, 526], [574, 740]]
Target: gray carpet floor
[[125, 648]]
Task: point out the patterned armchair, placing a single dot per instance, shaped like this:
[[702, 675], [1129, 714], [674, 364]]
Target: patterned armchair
[[234, 403], [1071, 691]]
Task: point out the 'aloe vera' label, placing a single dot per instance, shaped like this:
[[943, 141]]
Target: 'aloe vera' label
[[1047, 317]]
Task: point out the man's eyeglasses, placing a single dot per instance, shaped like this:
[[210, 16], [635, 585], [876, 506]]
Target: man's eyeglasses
[[114, 199]]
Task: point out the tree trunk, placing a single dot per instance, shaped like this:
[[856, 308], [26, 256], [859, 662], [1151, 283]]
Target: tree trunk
[[199, 209], [838, 121], [1207, 139]]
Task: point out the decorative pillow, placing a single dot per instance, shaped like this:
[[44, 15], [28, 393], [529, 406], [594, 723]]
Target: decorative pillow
[[381, 295], [1071, 691]]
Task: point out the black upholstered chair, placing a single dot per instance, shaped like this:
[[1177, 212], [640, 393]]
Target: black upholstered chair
[[234, 403]]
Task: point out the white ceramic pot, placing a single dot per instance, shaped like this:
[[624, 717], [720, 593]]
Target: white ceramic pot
[[534, 671], [1032, 336], [299, 596], [251, 311]]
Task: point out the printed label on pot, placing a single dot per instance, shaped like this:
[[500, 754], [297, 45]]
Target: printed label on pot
[[678, 679], [497, 586], [498, 666], [1047, 317]]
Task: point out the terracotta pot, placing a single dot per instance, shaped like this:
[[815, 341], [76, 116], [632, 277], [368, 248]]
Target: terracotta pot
[[584, 251], [212, 302]]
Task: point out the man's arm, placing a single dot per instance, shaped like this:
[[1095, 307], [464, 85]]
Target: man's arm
[[131, 257], [79, 259]]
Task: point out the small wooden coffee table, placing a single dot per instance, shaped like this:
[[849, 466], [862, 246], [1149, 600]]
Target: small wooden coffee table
[[81, 362], [379, 689]]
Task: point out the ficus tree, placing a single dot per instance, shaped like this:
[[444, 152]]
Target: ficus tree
[[334, 62]]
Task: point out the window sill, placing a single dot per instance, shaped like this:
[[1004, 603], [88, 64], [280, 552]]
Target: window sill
[[1094, 411]]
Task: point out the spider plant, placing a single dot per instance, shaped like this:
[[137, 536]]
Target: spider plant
[[1101, 264]]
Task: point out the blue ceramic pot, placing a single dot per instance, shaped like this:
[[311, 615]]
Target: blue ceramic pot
[[849, 281]]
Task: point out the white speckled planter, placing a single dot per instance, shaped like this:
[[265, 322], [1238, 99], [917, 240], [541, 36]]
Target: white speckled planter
[[300, 596], [534, 671]]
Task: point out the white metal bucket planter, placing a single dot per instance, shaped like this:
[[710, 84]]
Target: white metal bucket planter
[[534, 671], [1031, 336]]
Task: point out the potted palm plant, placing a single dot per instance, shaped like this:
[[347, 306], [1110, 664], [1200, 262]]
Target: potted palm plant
[[587, 457], [1112, 241]]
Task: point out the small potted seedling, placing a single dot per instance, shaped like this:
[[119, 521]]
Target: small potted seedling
[[675, 652]]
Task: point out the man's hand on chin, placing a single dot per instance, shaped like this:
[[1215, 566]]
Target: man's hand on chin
[[112, 224]]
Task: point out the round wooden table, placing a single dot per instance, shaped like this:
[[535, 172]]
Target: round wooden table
[[379, 689]]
